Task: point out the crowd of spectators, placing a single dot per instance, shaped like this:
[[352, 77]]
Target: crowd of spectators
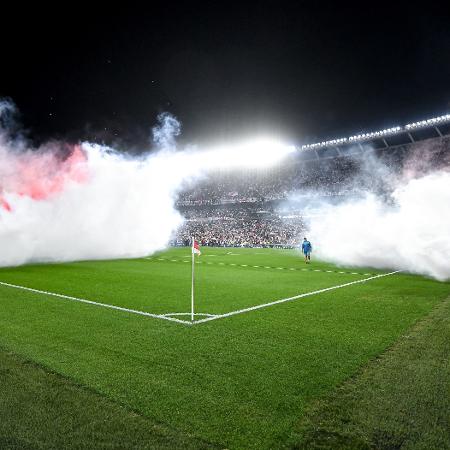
[[266, 185], [239, 226]]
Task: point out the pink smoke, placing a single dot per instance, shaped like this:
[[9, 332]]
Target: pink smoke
[[42, 173]]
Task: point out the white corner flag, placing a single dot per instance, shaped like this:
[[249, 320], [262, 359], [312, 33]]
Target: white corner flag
[[195, 251]]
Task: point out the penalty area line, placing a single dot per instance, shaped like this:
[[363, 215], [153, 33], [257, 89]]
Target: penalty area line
[[289, 299], [91, 302]]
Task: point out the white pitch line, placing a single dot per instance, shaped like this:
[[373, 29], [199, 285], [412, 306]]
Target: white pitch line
[[90, 302], [185, 322], [188, 314], [265, 267], [283, 300]]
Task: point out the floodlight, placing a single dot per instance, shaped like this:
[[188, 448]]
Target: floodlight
[[258, 153]]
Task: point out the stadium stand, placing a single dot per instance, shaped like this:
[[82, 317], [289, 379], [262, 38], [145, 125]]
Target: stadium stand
[[250, 207]]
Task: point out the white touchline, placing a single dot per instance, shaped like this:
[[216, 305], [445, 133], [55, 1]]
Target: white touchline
[[283, 300], [104, 305]]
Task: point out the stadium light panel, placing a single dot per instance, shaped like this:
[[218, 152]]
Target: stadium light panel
[[356, 138], [324, 143], [374, 134], [428, 122]]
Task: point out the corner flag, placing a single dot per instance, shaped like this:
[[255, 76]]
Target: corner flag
[[196, 247], [195, 251]]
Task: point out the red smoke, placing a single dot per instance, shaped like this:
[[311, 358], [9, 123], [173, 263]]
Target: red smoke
[[4, 204], [42, 174]]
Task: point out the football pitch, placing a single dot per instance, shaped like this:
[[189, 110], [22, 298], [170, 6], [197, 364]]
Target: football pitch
[[271, 335]]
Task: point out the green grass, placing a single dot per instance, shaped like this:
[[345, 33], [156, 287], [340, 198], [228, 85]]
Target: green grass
[[400, 400], [41, 409], [238, 382]]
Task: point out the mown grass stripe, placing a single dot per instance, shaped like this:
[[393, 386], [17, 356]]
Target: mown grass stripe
[[396, 401]]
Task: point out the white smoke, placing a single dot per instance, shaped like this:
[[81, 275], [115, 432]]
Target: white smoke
[[92, 203], [125, 208], [405, 228], [64, 203], [166, 132]]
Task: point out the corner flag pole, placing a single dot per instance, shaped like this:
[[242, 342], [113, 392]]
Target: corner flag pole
[[192, 284]]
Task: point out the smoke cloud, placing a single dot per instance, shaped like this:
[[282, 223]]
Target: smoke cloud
[[165, 133], [398, 219], [63, 202]]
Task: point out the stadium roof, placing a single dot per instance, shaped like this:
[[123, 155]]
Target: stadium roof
[[407, 129]]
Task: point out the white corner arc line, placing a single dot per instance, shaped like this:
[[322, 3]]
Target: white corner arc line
[[90, 302], [288, 299], [188, 314]]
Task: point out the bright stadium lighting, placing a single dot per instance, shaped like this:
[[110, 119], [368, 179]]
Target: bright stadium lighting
[[375, 134], [258, 153], [378, 134], [330, 143], [428, 122]]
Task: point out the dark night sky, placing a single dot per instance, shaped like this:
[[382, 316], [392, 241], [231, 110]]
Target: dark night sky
[[301, 70]]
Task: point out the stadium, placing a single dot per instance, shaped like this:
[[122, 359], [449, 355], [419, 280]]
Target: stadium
[[120, 336], [246, 207], [266, 265]]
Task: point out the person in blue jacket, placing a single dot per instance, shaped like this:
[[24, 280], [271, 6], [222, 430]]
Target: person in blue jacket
[[306, 249]]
